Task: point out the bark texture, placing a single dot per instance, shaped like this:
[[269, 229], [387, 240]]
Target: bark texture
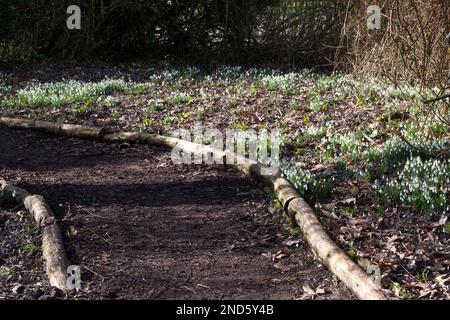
[[53, 251]]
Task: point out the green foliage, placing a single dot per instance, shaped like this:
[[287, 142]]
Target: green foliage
[[306, 184], [447, 228], [312, 133], [66, 92], [156, 107], [351, 250], [181, 98], [276, 82], [168, 121], [351, 144], [147, 122], [317, 104], [107, 102], [422, 184], [4, 272], [396, 151], [5, 88], [30, 249], [401, 292], [28, 229], [341, 165]]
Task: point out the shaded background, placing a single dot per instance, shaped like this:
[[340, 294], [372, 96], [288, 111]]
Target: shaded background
[[285, 33]]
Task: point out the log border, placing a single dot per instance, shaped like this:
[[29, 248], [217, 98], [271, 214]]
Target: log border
[[53, 251], [323, 247]]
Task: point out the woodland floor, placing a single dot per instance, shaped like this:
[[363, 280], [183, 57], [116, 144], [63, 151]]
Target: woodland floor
[[127, 210], [143, 228]]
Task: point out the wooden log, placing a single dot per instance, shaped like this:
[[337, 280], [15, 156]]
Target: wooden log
[[73, 130], [39, 210], [83, 132], [137, 137], [16, 123], [13, 192], [55, 256], [53, 251], [323, 247], [329, 254]]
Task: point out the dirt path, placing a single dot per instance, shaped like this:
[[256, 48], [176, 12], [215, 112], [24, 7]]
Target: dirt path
[[141, 227]]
